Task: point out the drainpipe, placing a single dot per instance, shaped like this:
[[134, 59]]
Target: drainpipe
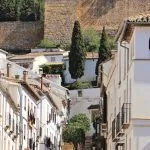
[[127, 49], [21, 119]]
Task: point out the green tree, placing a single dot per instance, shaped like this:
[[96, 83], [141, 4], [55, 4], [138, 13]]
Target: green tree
[[73, 134], [104, 50], [29, 10], [77, 53], [7, 10], [91, 40], [82, 120], [76, 129]]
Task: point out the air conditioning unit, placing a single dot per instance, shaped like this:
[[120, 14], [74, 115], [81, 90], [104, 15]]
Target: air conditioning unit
[[103, 129]]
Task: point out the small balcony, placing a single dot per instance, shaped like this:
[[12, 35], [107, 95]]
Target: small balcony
[[126, 115], [114, 135], [31, 118], [119, 131]]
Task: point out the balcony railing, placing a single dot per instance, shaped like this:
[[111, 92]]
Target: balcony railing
[[126, 115], [119, 131], [114, 137]]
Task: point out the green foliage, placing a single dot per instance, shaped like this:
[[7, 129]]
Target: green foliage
[[77, 53], [104, 51], [7, 10], [46, 44], [111, 43], [46, 68], [91, 40], [75, 130], [80, 85], [82, 120], [73, 134], [52, 68], [24, 10]]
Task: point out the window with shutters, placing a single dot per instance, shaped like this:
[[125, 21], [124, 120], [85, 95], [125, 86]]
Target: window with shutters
[[24, 131], [149, 44]]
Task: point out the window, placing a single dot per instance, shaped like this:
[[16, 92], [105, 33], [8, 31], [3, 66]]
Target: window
[[53, 59], [25, 102], [0, 102], [149, 43], [79, 93], [24, 132], [34, 110], [125, 62], [119, 67]]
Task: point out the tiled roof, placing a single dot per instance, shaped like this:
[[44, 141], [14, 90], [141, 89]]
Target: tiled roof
[[127, 27], [34, 55], [145, 18]]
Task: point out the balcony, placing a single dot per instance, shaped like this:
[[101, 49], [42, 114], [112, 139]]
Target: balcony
[[126, 115], [31, 118], [119, 131], [114, 136]]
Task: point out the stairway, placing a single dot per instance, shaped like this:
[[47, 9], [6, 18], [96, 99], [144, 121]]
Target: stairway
[[88, 143]]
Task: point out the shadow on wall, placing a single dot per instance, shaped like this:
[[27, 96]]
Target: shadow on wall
[[20, 35]]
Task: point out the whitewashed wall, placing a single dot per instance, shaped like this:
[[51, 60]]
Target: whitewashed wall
[[54, 58], [89, 71], [81, 104]]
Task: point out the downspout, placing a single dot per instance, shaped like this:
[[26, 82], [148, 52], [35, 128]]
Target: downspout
[[21, 119], [127, 49]]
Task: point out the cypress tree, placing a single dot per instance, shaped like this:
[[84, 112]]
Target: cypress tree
[[77, 53], [104, 51]]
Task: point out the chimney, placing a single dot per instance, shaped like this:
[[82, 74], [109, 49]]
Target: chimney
[[41, 82], [25, 76], [8, 69]]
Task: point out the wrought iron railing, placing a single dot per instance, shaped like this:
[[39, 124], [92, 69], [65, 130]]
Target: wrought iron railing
[[113, 129], [126, 115]]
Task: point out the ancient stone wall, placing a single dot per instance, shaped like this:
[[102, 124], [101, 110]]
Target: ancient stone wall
[[59, 20], [20, 35]]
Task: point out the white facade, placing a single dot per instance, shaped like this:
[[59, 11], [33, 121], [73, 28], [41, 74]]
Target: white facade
[[9, 116], [128, 86], [89, 71], [81, 99], [26, 119]]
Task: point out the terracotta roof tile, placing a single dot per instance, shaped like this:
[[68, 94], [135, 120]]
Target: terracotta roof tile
[[145, 18]]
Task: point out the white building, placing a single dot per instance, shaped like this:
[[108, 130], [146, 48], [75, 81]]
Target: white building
[[9, 115], [89, 70], [127, 88], [81, 100], [33, 111], [37, 57]]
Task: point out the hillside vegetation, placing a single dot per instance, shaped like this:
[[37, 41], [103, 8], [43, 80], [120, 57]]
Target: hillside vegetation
[[108, 13]]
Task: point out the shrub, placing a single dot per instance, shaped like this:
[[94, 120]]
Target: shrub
[[47, 44], [80, 85], [91, 40]]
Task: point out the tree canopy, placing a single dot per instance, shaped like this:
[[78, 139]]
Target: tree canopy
[[77, 53], [24, 10], [104, 50], [91, 40], [75, 130]]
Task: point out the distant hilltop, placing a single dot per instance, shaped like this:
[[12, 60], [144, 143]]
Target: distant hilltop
[[108, 13], [59, 17]]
